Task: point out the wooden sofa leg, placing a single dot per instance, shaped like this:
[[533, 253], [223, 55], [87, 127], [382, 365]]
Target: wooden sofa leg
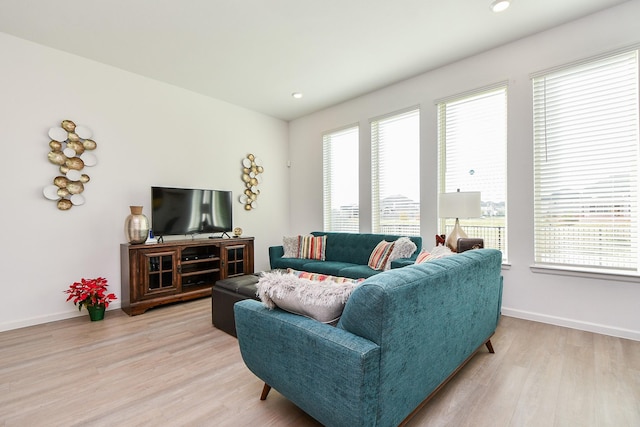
[[489, 346], [265, 390]]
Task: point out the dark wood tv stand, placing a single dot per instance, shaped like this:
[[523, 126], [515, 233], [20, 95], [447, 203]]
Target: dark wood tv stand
[[163, 273]]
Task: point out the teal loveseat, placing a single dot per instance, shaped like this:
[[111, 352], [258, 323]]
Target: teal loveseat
[[346, 255], [402, 335]]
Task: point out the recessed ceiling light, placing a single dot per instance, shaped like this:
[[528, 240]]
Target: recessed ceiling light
[[296, 95], [500, 5]]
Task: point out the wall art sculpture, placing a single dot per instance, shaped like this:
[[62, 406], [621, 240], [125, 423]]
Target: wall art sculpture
[[251, 169], [71, 150]]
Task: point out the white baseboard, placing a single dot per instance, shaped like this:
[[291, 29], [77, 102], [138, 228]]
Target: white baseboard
[[573, 324], [32, 321]]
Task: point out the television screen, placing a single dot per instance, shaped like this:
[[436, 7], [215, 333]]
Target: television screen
[[190, 211]]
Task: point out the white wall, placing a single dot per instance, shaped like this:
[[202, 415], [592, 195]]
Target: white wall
[[598, 305], [148, 133]]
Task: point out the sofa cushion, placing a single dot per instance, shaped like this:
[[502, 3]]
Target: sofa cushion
[[295, 263], [312, 247], [324, 267], [356, 271], [319, 300], [380, 255]]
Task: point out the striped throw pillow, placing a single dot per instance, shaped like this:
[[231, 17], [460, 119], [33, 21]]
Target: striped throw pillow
[[312, 247], [380, 255], [423, 257], [436, 253], [318, 277]]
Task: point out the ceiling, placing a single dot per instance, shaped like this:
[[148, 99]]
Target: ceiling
[[256, 53]]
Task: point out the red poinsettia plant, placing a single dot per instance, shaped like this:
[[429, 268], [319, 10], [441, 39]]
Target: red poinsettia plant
[[90, 292]]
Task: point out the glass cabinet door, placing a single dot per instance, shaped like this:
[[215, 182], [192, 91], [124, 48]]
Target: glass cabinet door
[[159, 272], [234, 260]]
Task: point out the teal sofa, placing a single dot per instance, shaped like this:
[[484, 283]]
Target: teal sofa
[[402, 335], [346, 255]]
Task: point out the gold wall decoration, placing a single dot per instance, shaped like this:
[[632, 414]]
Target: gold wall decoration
[[251, 169], [71, 150]]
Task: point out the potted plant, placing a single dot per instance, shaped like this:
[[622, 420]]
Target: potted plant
[[92, 293]]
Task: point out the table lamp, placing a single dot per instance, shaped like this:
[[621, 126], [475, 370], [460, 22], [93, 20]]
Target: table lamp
[[457, 205]]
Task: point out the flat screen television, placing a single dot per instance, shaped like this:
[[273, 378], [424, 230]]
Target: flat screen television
[[176, 211]]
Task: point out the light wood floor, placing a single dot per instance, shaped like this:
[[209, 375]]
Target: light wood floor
[[171, 367]]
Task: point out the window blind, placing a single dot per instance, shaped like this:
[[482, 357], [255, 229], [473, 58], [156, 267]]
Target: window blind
[[586, 164], [340, 180], [472, 135], [395, 174]]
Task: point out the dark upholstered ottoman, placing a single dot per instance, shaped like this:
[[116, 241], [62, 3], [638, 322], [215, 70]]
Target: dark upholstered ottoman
[[225, 294]]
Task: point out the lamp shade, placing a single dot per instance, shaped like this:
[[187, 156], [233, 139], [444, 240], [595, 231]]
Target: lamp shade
[[461, 204]]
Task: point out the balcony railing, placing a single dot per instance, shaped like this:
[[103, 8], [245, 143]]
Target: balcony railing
[[400, 229], [493, 236]]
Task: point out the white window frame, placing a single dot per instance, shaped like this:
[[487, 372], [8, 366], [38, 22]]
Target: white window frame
[[395, 174], [340, 175], [462, 123], [585, 207]]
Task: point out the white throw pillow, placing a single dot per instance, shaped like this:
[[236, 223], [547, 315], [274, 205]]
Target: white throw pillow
[[403, 248], [319, 300], [290, 245]]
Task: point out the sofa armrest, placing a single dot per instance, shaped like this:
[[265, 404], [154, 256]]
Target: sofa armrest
[[274, 253], [402, 262], [330, 373]]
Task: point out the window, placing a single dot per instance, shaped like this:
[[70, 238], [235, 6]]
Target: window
[[586, 165], [395, 174], [472, 137], [340, 176]]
